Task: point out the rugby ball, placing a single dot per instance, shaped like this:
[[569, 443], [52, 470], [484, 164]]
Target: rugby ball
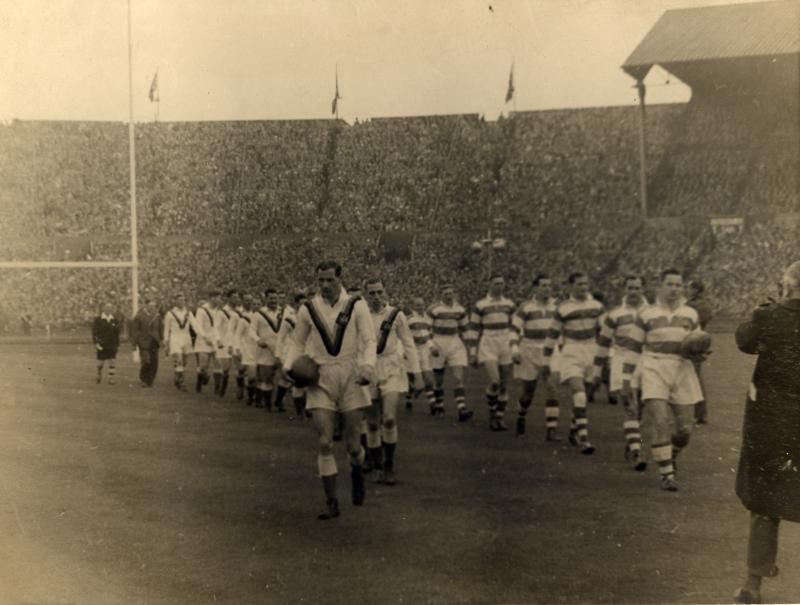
[[304, 372], [695, 343]]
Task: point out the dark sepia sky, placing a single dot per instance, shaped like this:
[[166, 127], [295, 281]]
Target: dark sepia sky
[[269, 59]]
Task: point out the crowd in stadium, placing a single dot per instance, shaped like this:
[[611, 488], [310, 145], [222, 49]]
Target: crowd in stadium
[[253, 203]]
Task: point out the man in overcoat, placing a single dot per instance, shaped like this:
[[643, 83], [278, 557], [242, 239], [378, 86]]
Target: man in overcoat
[[147, 330], [768, 479]]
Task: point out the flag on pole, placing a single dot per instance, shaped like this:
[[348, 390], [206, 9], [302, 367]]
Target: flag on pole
[[336, 96], [510, 91], [154, 89]]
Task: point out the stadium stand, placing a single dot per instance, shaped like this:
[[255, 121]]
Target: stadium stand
[[251, 203]]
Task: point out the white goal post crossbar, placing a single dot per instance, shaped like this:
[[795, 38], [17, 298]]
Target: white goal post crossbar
[[65, 264], [132, 264]]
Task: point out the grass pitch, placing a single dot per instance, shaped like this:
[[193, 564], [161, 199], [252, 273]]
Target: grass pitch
[[117, 494]]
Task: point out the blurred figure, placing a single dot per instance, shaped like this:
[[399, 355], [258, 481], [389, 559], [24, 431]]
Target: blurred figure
[[767, 481], [147, 328], [695, 291], [106, 330]]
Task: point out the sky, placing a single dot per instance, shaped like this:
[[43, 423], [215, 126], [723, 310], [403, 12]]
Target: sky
[[271, 59]]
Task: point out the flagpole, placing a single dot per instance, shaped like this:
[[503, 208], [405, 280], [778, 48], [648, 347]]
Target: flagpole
[[132, 175], [336, 68]]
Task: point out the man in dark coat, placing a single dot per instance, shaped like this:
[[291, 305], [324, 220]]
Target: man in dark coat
[[147, 330], [768, 479], [698, 302], [105, 336]]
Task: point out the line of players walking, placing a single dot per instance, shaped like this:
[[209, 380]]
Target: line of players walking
[[389, 354]]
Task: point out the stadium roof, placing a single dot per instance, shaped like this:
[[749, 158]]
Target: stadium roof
[[713, 33]]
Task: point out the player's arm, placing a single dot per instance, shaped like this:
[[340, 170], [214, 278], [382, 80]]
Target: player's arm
[[749, 333], [167, 326], [296, 343], [473, 332], [407, 338], [515, 323], [367, 342], [96, 333], [638, 335], [553, 334], [429, 315], [604, 340]]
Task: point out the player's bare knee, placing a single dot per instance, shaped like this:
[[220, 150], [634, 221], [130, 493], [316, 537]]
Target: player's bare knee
[[325, 446], [389, 423]]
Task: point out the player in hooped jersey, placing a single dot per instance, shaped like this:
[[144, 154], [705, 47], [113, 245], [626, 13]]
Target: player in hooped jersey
[[421, 329], [577, 319], [532, 322], [620, 330], [490, 344], [394, 339], [449, 323], [336, 331], [670, 387]]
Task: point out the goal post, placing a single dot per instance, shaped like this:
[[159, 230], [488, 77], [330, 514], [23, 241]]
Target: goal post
[[132, 264]]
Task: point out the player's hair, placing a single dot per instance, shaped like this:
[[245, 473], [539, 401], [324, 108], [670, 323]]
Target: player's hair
[[326, 265], [373, 280], [352, 289], [300, 296], [599, 296], [231, 292], [631, 276], [791, 277], [269, 291], [539, 277], [697, 285], [214, 293], [574, 276], [446, 287], [670, 271]]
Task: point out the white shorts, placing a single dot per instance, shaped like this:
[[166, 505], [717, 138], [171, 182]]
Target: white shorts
[[425, 361], [577, 361], [452, 352], [390, 376], [203, 346], [264, 356], [180, 343], [223, 352], [249, 351], [337, 388], [670, 378], [495, 348], [615, 363], [531, 361]]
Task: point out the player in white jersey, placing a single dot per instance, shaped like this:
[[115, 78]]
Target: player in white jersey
[[532, 322], [421, 329], [289, 322], [394, 339], [335, 331], [248, 346], [206, 341], [266, 323], [227, 329], [490, 344], [237, 366], [287, 326], [177, 323]]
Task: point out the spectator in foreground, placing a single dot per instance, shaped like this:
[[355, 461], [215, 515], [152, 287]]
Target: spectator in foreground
[[768, 481]]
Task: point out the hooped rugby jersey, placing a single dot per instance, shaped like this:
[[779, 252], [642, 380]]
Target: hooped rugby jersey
[[577, 321], [490, 316], [532, 322]]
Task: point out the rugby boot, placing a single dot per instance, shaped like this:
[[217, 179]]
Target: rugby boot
[[500, 425], [668, 483], [638, 461], [520, 425], [744, 595], [463, 414], [198, 387], [388, 477], [332, 510], [587, 449]]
